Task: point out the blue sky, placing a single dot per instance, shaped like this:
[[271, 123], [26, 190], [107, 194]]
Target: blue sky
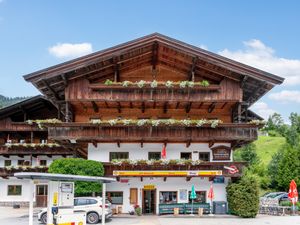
[[36, 34]]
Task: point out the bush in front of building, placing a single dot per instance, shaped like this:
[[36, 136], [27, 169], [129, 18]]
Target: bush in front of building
[[243, 197], [80, 167]]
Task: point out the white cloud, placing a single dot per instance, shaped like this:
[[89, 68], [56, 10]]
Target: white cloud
[[262, 109], [67, 50], [258, 55], [286, 96]]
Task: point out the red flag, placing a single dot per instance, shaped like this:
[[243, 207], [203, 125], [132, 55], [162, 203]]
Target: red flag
[[211, 194], [164, 152], [293, 193]]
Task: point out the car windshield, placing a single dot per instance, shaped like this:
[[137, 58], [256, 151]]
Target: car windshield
[[273, 195]]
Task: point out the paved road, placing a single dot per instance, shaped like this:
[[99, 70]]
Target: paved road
[[147, 220], [10, 216]]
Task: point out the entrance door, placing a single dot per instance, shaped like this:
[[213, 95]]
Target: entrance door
[[149, 197], [41, 195]]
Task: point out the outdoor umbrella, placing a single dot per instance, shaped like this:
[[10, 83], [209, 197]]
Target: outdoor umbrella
[[293, 194], [211, 196], [193, 196], [164, 152]]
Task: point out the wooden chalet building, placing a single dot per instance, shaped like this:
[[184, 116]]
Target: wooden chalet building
[[131, 105], [26, 147]]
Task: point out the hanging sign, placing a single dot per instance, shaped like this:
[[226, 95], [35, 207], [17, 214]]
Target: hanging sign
[[167, 173], [221, 153]]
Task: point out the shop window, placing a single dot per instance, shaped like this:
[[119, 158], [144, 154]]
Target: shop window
[[166, 197], [201, 197], [7, 162], [43, 162], [118, 155], [185, 155], [14, 190], [204, 156], [115, 197], [154, 155], [21, 162]]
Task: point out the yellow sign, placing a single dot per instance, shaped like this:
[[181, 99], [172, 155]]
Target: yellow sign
[[149, 187], [55, 198], [167, 173]]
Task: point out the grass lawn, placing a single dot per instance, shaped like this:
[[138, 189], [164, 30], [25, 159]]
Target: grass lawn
[[267, 146]]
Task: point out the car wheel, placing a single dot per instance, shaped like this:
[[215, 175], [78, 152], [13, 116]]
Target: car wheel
[[92, 218], [44, 218]]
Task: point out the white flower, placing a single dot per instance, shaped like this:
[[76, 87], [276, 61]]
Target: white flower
[[95, 121], [170, 121], [215, 123], [127, 122], [190, 84], [153, 84], [169, 84], [141, 83], [112, 122], [196, 162], [183, 84], [126, 83], [30, 122], [141, 122], [155, 123], [199, 123], [150, 162], [164, 162], [181, 162], [186, 122]]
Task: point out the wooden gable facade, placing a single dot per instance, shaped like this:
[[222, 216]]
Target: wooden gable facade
[[77, 88]]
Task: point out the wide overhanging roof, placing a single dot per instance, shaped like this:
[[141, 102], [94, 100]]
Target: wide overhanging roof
[[62, 177], [151, 50]]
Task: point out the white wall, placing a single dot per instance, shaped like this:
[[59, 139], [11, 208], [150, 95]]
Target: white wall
[[101, 152], [171, 184]]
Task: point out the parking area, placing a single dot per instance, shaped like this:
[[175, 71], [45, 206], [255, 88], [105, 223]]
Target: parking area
[[19, 217]]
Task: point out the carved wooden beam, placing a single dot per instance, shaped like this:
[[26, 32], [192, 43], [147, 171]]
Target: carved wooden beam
[[116, 72], [188, 178], [154, 104], [177, 105], [211, 107], [243, 82], [95, 107], [143, 107], [119, 107], [165, 179], [188, 107], [165, 107], [131, 105], [154, 55], [119, 144], [193, 68], [188, 143], [51, 90], [94, 144], [223, 106], [200, 105]]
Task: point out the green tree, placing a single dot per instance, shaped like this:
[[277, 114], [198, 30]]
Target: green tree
[[288, 168], [243, 197], [295, 121], [248, 154], [273, 168], [77, 166]]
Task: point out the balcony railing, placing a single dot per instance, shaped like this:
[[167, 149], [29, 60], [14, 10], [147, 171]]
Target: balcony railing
[[9, 171], [34, 150], [88, 132], [109, 168]]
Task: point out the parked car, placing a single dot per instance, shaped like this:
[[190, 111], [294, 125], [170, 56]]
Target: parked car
[[280, 196], [91, 205]]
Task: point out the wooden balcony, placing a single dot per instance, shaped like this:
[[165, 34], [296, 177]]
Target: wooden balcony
[[7, 125], [161, 93], [6, 172], [37, 150], [109, 168], [87, 132]]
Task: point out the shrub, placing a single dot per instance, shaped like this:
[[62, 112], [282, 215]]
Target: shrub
[[79, 167], [243, 197]]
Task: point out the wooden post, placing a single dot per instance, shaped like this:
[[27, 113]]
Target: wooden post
[[67, 116], [239, 111]]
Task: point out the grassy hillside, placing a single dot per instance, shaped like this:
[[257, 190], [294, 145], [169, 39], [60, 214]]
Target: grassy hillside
[[267, 146]]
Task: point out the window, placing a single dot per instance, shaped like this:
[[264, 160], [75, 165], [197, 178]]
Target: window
[[7, 162], [185, 155], [21, 162], [41, 189], [168, 197], [204, 156], [43, 162], [81, 201], [118, 155], [14, 190], [115, 197], [201, 197], [154, 155]]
